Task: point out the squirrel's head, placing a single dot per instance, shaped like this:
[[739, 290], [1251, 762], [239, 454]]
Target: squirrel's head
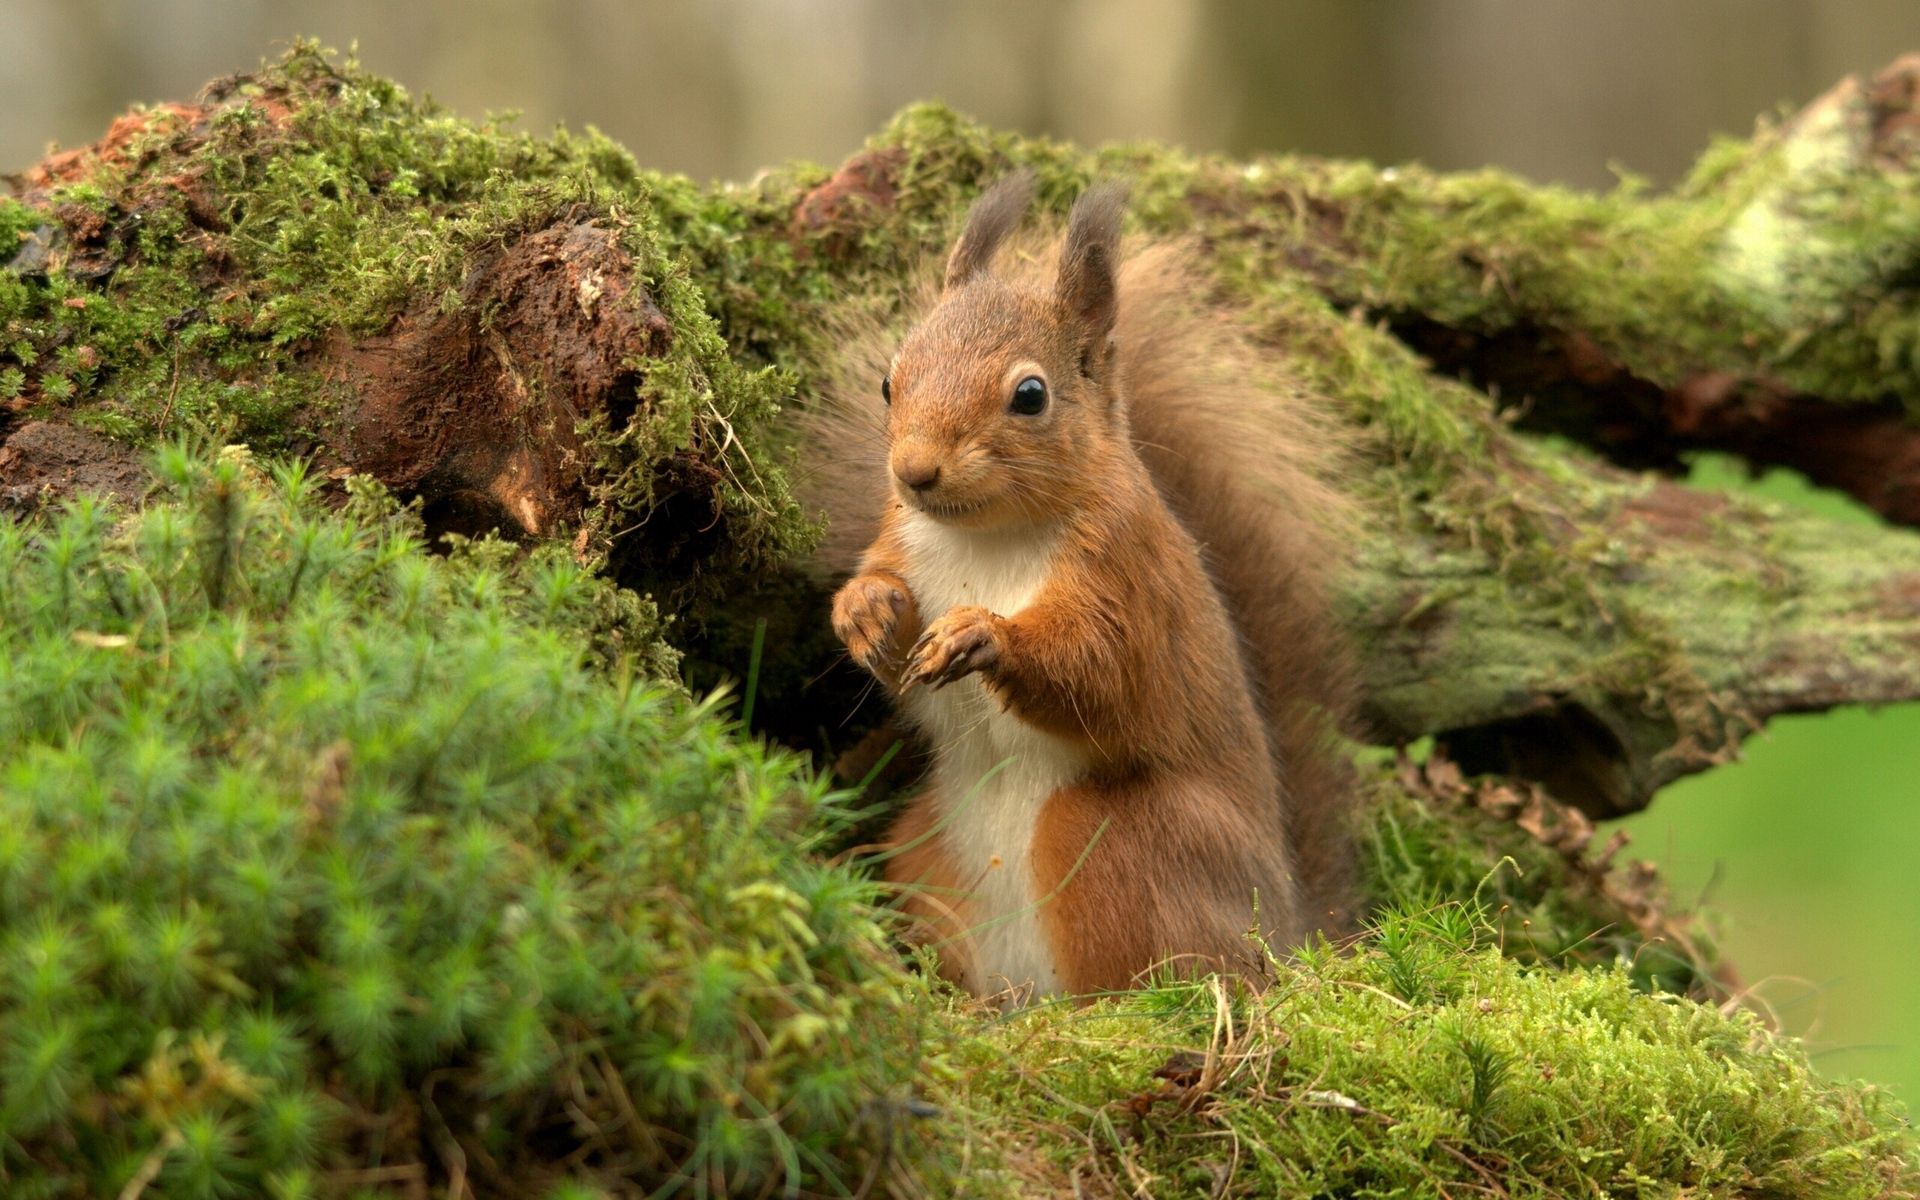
[[1002, 400]]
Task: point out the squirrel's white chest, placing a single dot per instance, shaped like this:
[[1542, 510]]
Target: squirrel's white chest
[[949, 567], [993, 772]]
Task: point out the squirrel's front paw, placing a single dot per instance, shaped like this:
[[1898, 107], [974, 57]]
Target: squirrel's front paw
[[963, 641], [868, 613]]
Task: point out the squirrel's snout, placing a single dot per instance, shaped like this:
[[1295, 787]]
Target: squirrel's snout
[[918, 472]]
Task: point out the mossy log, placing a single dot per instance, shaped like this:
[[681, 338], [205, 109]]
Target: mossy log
[[535, 334]]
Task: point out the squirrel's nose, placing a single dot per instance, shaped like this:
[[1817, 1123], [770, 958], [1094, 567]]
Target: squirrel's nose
[[916, 472]]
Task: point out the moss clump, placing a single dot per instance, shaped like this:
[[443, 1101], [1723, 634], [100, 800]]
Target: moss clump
[[202, 274], [1420, 1062], [1423, 846], [320, 854]]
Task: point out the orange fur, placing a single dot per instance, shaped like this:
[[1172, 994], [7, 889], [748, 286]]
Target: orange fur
[[1157, 688]]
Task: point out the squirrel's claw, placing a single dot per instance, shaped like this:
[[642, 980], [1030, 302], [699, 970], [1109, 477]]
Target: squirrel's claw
[[956, 668], [957, 645]]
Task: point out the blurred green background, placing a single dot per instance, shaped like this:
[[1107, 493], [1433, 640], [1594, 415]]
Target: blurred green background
[[1809, 848], [1807, 854]]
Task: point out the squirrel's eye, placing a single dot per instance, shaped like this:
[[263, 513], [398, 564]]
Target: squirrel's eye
[[1029, 397], [886, 389]]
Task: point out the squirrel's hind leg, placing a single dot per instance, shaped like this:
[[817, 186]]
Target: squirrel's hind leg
[[931, 891], [1146, 875]]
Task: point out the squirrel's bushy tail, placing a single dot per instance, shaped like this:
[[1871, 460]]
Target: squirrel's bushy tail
[[1249, 465]]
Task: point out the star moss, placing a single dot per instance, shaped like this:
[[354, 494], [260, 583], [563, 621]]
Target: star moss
[[317, 849]]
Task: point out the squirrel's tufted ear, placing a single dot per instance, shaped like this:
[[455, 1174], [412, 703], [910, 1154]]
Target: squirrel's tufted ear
[[993, 216], [1085, 292]]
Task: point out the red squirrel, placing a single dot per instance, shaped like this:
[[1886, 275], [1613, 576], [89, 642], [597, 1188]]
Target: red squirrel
[[1095, 586]]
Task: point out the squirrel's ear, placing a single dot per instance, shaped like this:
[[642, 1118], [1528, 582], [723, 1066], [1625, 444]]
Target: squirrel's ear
[[1085, 292], [993, 216]]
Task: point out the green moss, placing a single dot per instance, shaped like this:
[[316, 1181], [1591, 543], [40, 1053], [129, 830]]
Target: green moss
[[1419, 1062], [307, 826], [300, 826], [317, 201], [313, 834], [338, 200], [314, 202]]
